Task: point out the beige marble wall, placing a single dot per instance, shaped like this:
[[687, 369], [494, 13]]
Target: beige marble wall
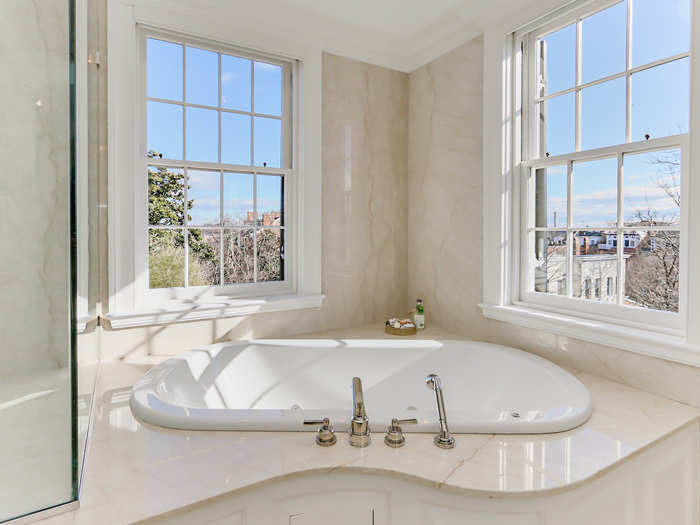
[[34, 187], [364, 256], [445, 230]]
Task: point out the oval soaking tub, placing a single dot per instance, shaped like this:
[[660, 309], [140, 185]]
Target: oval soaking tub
[[276, 384]]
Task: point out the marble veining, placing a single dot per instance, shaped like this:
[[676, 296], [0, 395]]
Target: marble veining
[[135, 471]]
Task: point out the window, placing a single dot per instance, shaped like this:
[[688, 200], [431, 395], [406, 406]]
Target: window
[[604, 148], [218, 139]]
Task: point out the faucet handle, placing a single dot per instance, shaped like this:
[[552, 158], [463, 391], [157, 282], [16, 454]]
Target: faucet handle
[[326, 434], [394, 435]]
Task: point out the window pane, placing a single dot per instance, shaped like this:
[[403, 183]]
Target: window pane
[[603, 121], [235, 139], [203, 198], [652, 269], [660, 100], [238, 199], [550, 262], [558, 118], [238, 256], [166, 258], [164, 130], [166, 196], [202, 77], [559, 60], [270, 200], [268, 88], [204, 253], [235, 83], [270, 255], [202, 135], [603, 43], [163, 69], [550, 197], [595, 265], [652, 188], [268, 142], [595, 193], [659, 29]]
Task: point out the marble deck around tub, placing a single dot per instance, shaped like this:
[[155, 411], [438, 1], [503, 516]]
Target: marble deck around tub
[[135, 471]]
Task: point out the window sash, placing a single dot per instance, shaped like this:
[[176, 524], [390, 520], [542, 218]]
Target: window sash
[[154, 296], [526, 160]]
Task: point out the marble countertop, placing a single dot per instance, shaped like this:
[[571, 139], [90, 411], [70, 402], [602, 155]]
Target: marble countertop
[[135, 471]]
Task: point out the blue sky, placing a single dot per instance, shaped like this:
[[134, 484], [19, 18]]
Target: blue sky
[[201, 85], [659, 95]]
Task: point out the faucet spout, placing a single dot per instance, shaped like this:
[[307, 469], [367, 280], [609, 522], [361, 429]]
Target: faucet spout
[[358, 400], [359, 424]]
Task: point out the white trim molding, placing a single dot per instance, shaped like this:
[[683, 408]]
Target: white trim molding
[[677, 342], [180, 312], [127, 302]]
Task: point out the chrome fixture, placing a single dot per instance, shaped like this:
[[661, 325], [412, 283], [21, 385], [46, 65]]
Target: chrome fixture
[[443, 439], [326, 434], [394, 435], [359, 424]]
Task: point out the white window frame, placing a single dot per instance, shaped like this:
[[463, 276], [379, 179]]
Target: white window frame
[[676, 340], [130, 302], [155, 296]]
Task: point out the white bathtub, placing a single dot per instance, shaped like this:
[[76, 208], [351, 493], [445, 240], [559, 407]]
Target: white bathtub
[[276, 384]]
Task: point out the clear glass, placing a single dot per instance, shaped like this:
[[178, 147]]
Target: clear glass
[[166, 196], [235, 83], [595, 265], [235, 139], [652, 269], [652, 188], [203, 197], [551, 197], [603, 114], [267, 142], [239, 255], [202, 77], [550, 262], [268, 88], [660, 29], [41, 446], [166, 258], [202, 135], [560, 59], [661, 100], [604, 43], [595, 193], [558, 116], [204, 256], [163, 70], [270, 245], [164, 130], [238, 199], [270, 200]]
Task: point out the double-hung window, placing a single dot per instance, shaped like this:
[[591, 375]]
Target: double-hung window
[[604, 93], [217, 161]]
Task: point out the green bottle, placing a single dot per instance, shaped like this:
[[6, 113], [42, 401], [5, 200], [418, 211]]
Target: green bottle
[[419, 316]]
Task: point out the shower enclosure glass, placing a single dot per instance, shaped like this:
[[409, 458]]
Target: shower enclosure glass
[[38, 460]]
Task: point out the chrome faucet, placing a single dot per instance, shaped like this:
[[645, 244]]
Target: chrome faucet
[[443, 439], [359, 424]]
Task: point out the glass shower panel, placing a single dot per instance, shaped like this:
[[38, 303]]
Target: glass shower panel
[[37, 446]]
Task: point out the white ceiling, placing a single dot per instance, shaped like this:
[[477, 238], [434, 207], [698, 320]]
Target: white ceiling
[[401, 34]]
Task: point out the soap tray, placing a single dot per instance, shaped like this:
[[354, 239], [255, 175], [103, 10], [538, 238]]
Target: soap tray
[[406, 326]]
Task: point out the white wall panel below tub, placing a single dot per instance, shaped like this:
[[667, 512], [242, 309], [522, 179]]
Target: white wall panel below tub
[[658, 486]]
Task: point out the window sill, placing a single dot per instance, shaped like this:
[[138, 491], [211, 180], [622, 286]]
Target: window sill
[[645, 342], [179, 312]]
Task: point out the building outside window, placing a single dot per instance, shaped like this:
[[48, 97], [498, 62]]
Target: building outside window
[[605, 96]]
